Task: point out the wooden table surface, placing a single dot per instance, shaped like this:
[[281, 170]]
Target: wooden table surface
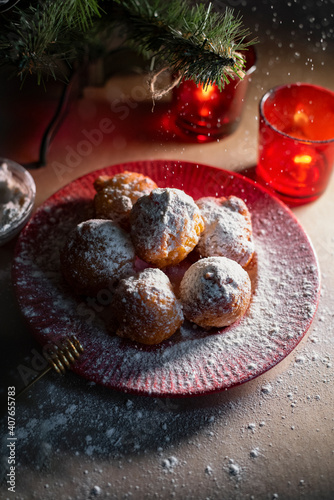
[[269, 438]]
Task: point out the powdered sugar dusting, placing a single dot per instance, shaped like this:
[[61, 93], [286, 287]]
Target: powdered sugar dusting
[[117, 194], [285, 281], [215, 291], [13, 198], [131, 185], [228, 229], [164, 223], [96, 254], [146, 307], [76, 439], [117, 244]]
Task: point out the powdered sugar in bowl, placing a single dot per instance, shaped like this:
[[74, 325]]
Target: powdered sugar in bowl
[[17, 196]]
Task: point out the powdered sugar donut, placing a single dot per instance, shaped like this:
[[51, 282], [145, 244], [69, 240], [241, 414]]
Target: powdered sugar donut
[[146, 308], [215, 292], [228, 229], [165, 226], [96, 255], [116, 195]]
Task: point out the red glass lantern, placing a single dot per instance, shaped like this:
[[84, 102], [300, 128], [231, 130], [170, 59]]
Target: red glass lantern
[[296, 141], [206, 114]]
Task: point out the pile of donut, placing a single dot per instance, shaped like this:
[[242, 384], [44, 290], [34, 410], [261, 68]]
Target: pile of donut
[[161, 226]]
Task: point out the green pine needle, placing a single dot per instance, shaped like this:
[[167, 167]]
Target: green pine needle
[[81, 12], [195, 42], [36, 39]]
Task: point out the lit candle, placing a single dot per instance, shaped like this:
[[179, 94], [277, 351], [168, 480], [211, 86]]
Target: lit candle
[[296, 142], [204, 113], [206, 96]]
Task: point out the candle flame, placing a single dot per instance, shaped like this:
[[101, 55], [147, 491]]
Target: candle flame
[[305, 159], [300, 118], [204, 93]]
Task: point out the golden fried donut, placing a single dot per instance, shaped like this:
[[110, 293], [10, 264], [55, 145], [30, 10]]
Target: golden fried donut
[[215, 292], [116, 195], [228, 229], [146, 308], [96, 255], [165, 226]]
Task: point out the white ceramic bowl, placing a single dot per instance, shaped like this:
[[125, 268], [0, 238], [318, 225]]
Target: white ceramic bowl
[[27, 186]]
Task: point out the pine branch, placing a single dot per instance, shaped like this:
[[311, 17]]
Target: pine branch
[[197, 43], [81, 12], [37, 38]]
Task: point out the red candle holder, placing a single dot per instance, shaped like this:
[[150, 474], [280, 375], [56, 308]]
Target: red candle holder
[[204, 114], [296, 141]]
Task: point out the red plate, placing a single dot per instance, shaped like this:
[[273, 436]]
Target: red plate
[[284, 274]]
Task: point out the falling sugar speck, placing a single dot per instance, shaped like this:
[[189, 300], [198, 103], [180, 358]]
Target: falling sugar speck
[[254, 453], [266, 389], [96, 490], [208, 470]]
